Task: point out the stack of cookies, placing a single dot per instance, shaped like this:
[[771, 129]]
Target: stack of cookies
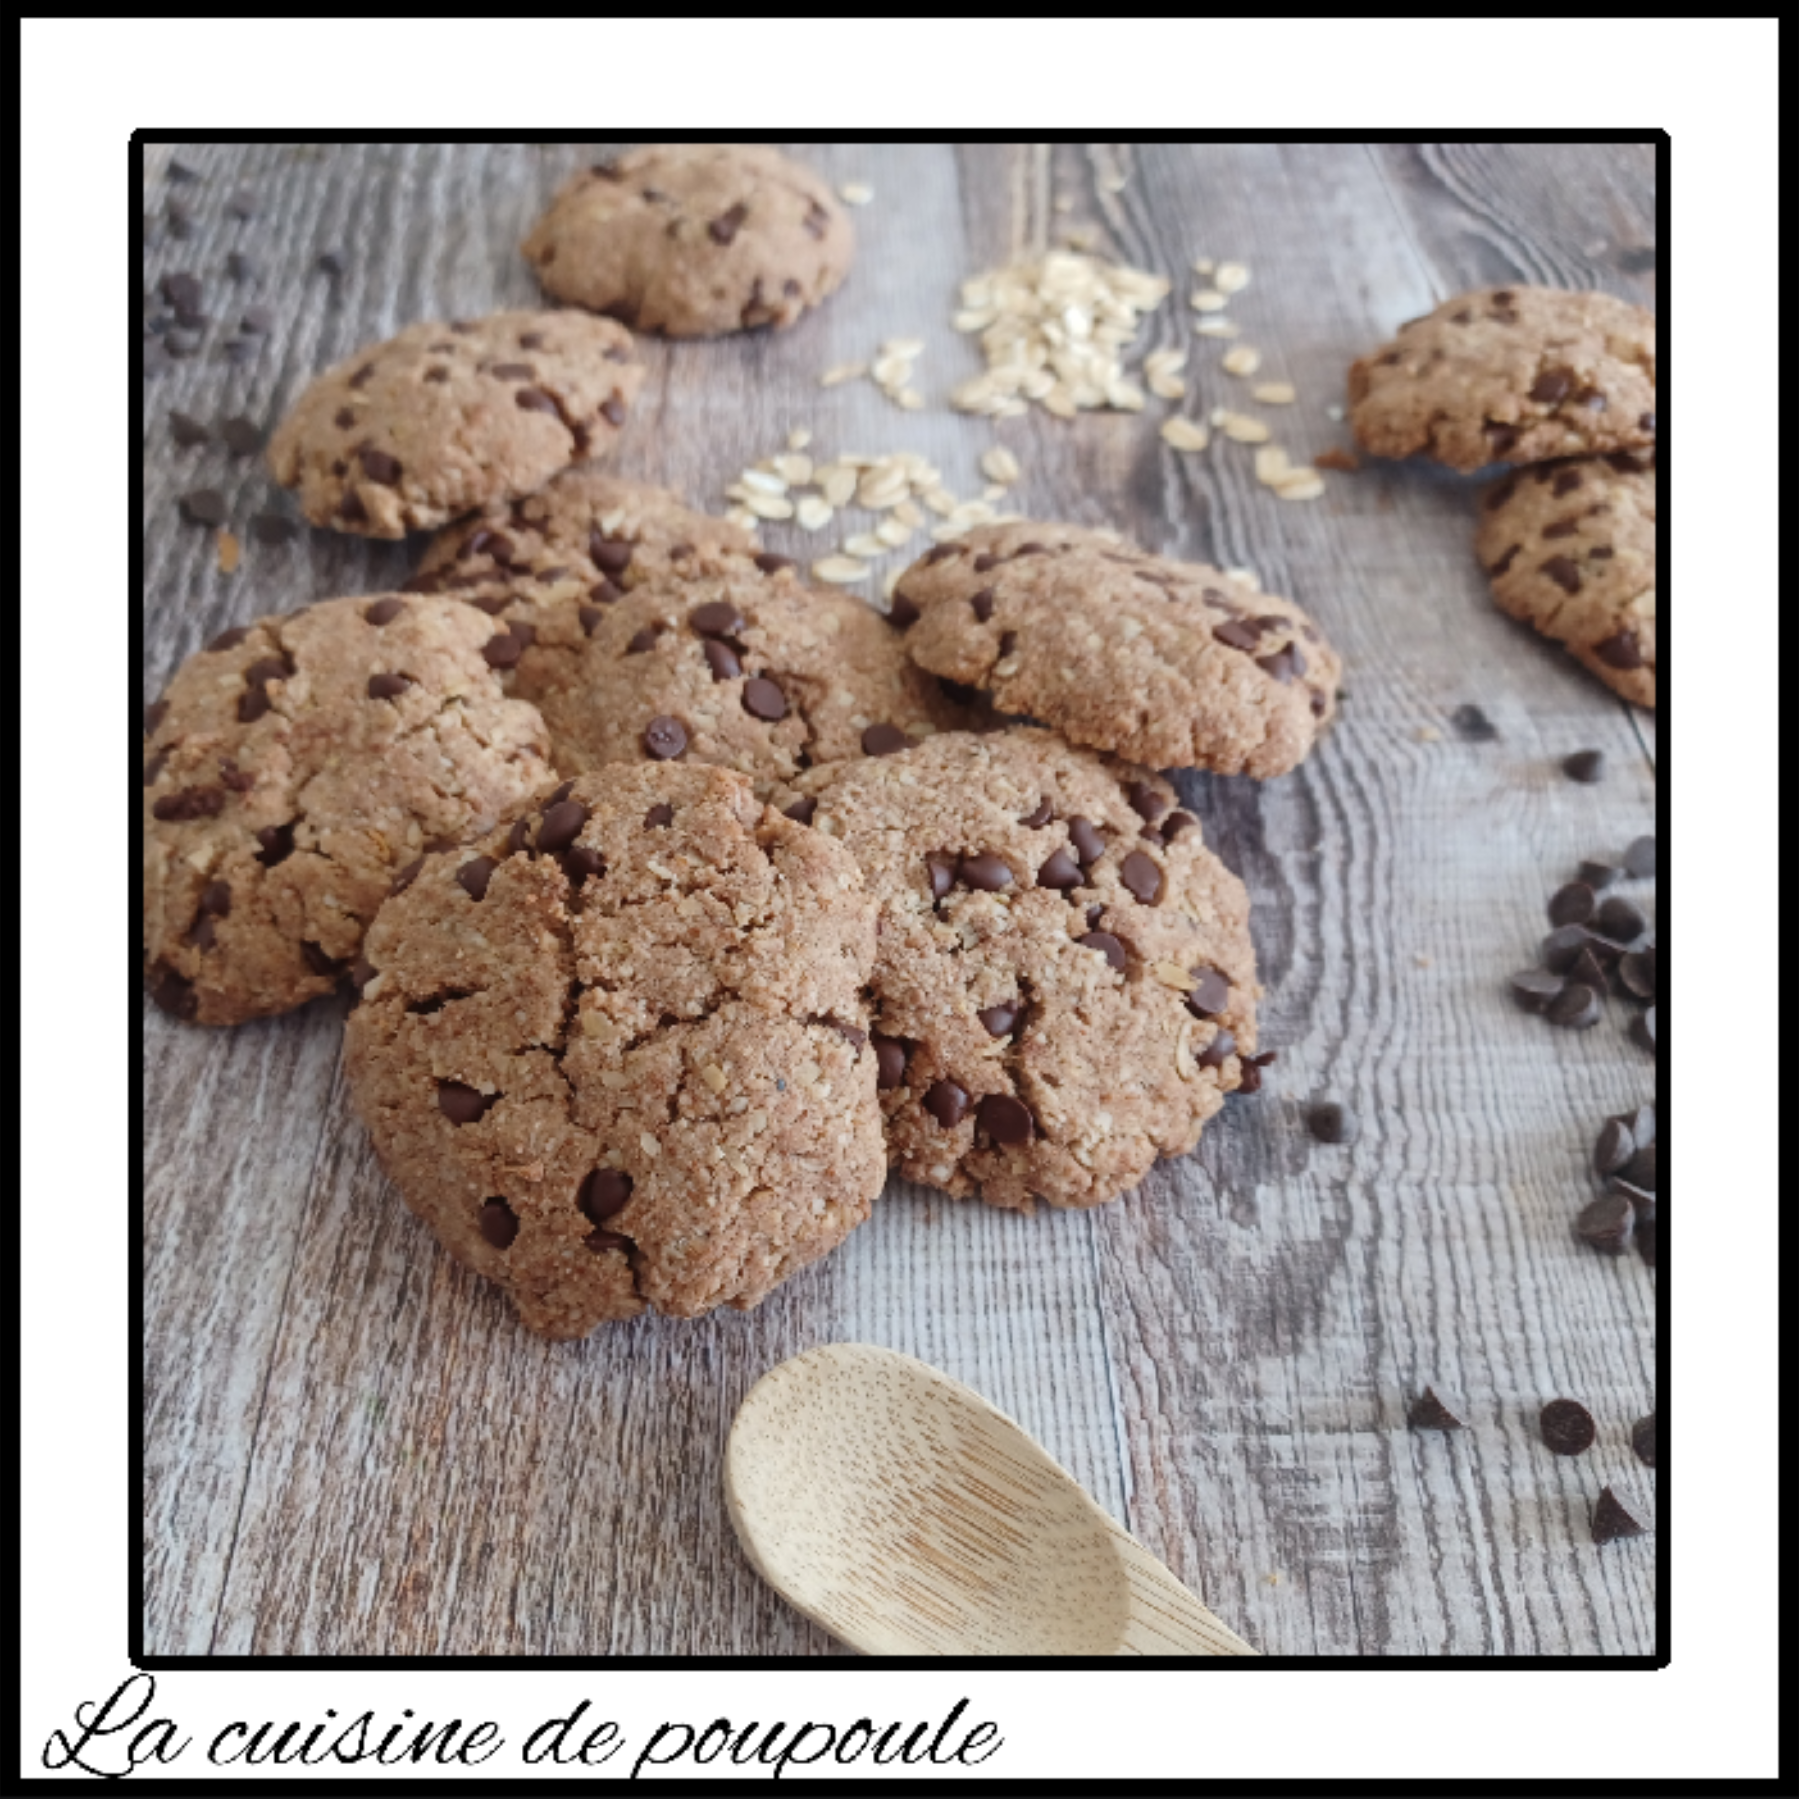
[[681, 899], [1560, 387]]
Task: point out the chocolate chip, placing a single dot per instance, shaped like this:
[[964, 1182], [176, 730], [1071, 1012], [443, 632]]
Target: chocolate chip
[[179, 171], [884, 740], [534, 399], [1551, 386], [1060, 871], [726, 226], [388, 687], [1089, 845], [174, 993], [503, 650], [1636, 974], [1285, 665], [1005, 1119], [1501, 437], [472, 877], [1000, 1019], [518, 839], [1639, 859], [562, 822], [379, 466], [589, 617], [1611, 1521], [1107, 945], [941, 869], [767, 561], [277, 844], [1621, 651], [1035, 821], [763, 699], [1222, 1046], [499, 1223], [1141, 877], [1567, 1427], [1250, 1078], [187, 431], [1598, 874], [252, 706], [205, 506], [273, 528], [721, 659], [1575, 1008], [1640, 1170], [644, 640], [241, 266], [1561, 948], [351, 509], [461, 1104], [611, 556], [1646, 422], [1586, 766], [1607, 1223], [1211, 993], [1642, 1029], [717, 618], [1428, 1412], [604, 1194], [982, 603], [1330, 1121], [581, 862], [986, 873], [664, 738], [1643, 1440], [189, 803], [901, 612], [1572, 904], [801, 811], [406, 876], [947, 1103], [1615, 1147], [1237, 635], [1472, 725], [662, 813], [1620, 919]]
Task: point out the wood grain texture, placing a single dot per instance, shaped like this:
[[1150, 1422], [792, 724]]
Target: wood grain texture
[[351, 1447]]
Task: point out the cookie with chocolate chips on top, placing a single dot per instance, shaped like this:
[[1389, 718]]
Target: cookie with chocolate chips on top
[[1510, 374], [442, 419], [292, 770], [736, 661], [615, 1054], [1171, 664], [1570, 549], [694, 239], [1064, 985], [546, 568]]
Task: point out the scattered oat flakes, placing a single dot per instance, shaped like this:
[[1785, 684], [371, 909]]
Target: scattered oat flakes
[[1241, 359], [768, 505], [855, 193], [840, 570], [1272, 465], [795, 470], [763, 481], [999, 464], [1208, 299], [1185, 434], [228, 549], [909, 399], [838, 485], [1204, 266], [1240, 428], [1216, 327], [906, 513], [1302, 484], [1167, 387], [798, 438], [865, 545], [742, 517], [1232, 278], [813, 513], [1275, 393], [844, 371]]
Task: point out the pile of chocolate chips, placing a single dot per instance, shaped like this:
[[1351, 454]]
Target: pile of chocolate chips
[[1624, 1161], [1598, 945]]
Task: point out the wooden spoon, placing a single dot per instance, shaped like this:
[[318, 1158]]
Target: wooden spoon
[[901, 1511]]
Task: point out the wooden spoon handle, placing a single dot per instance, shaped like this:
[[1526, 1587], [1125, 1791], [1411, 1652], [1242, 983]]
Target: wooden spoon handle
[[1164, 1618]]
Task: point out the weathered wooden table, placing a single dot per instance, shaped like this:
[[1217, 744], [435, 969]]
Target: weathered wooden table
[[351, 1446]]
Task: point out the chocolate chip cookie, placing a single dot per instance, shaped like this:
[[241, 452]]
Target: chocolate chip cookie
[[1510, 374], [445, 418], [1570, 549], [615, 1052], [545, 567], [694, 239], [1064, 984], [1172, 664], [292, 768], [737, 662]]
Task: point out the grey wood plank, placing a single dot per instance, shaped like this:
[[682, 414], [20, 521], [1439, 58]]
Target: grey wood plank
[[353, 1448]]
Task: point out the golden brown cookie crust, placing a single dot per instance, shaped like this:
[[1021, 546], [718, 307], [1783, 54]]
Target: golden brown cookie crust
[[443, 418], [545, 567], [291, 768], [761, 673], [1081, 1073], [1570, 549], [694, 239], [1510, 374], [637, 1022], [1171, 664]]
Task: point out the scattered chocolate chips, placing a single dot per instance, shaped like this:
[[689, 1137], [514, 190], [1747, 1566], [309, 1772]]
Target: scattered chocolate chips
[[1586, 766], [801, 811], [499, 1223], [1563, 947], [1643, 1440], [1141, 877], [273, 528], [1615, 1147], [189, 803], [941, 869], [728, 223], [205, 506], [562, 822], [581, 862], [764, 700], [1472, 725], [1575, 1008], [243, 437], [1621, 920], [884, 740], [1535, 988], [380, 467], [384, 612], [999, 1020], [1107, 945], [1089, 845], [185, 342], [1215, 1053], [1636, 975], [1598, 874], [1035, 821], [1640, 1170], [1250, 1077], [985, 873], [1211, 993], [187, 431], [947, 1103], [1005, 1119], [1607, 1223], [174, 993], [388, 687], [766, 560], [462, 1104], [1572, 904], [1639, 859], [1621, 651], [890, 1061], [611, 556], [277, 844], [901, 612], [472, 877], [179, 171], [664, 738], [1060, 871], [1428, 1412], [1611, 1521], [1331, 1121], [503, 650], [1567, 1427]]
